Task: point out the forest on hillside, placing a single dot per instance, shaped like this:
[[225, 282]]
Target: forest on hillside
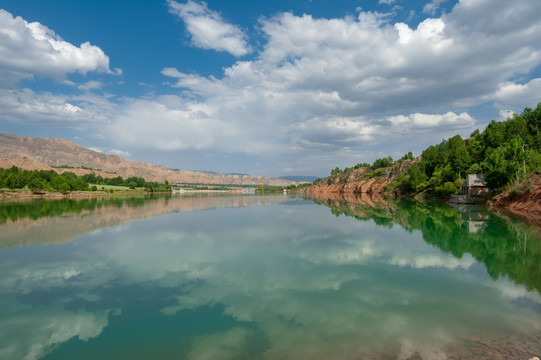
[[505, 151]]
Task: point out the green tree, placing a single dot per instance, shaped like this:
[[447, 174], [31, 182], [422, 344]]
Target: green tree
[[36, 184], [336, 170], [383, 162], [447, 189], [14, 181], [61, 184], [533, 121]]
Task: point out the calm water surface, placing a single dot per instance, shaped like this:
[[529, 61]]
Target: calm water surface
[[275, 277]]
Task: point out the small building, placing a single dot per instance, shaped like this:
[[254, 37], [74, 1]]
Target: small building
[[475, 185], [472, 191]]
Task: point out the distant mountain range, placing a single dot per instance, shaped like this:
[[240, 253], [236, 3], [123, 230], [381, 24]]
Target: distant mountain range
[[42, 153]]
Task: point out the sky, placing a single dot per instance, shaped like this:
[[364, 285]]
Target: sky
[[269, 88]]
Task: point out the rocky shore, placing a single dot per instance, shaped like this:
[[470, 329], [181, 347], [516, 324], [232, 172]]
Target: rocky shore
[[523, 200], [357, 181]]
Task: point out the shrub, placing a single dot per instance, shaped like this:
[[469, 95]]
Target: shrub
[[447, 189]]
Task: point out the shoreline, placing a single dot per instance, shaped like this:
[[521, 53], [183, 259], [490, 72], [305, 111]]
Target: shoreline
[[528, 214], [28, 195]]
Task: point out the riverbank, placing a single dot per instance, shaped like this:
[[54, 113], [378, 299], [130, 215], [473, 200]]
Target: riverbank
[[29, 195], [522, 200], [363, 180]]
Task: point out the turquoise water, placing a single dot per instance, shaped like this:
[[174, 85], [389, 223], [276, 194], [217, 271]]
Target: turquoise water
[[274, 277]]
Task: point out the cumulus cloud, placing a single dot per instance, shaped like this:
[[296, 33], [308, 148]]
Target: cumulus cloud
[[30, 49], [421, 122], [209, 30], [511, 94], [334, 84]]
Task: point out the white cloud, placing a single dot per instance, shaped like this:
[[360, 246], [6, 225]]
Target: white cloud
[[386, 2], [119, 152], [510, 94], [320, 89], [418, 122], [506, 114], [209, 30], [32, 49], [432, 7], [90, 85], [99, 150], [27, 106], [334, 84]]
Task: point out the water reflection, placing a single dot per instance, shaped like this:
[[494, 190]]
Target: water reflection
[[31, 222], [506, 248], [283, 281]]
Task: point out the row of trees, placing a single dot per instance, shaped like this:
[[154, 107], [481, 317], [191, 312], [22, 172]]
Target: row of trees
[[49, 180], [378, 164], [131, 182]]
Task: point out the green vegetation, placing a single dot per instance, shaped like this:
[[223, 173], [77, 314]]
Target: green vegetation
[[49, 180], [506, 152], [300, 186], [269, 190]]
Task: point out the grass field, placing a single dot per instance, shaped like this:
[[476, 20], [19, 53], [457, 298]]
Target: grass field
[[113, 187]]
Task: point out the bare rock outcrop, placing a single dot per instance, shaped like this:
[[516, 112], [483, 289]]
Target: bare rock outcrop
[[358, 181]]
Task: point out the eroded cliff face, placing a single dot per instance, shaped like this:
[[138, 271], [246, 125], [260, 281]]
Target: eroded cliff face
[[358, 181], [526, 204]]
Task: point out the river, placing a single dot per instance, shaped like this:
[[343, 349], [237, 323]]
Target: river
[[220, 276]]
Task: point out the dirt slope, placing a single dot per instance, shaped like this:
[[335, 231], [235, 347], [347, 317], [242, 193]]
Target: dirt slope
[[525, 202]]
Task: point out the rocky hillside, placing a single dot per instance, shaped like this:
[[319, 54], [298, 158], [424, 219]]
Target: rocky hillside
[[363, 180], [58, 152], [28, 164], [523, 199]]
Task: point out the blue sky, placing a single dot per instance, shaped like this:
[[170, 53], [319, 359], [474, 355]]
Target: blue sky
[[267, 88]]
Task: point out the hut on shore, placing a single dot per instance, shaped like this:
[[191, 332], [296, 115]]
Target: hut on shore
[[473, 191]]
